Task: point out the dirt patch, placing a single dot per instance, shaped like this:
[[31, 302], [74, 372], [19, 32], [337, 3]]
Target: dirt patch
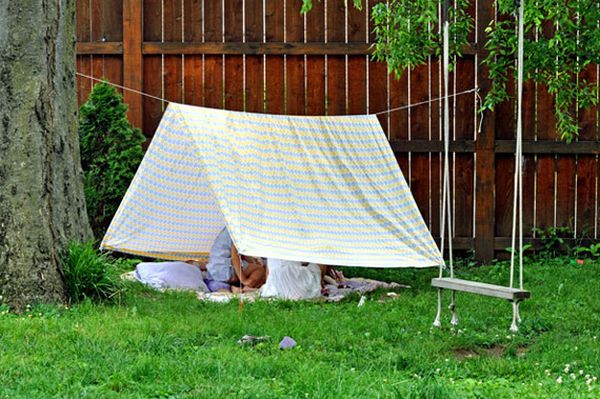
[[522, 351], [465, 353], [495, 351]]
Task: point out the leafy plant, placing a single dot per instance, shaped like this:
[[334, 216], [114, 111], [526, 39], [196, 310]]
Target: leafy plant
[[111, 151], [526, 247], [466, 261], [593, 251], [88, 274], [561, 40], [553, 241]]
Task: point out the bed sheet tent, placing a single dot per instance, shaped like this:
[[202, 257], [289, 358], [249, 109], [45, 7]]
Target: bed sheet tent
[[321, 189]]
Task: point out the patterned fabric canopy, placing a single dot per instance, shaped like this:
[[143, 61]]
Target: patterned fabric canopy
[[315, 189]]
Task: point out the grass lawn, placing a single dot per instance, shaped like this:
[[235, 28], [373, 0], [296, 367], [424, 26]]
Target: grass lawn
[[171, 345]]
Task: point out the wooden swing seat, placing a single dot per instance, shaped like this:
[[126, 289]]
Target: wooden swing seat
[[475, 287]]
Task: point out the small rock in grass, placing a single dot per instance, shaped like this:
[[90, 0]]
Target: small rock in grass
[[252, 340], [287, 343]]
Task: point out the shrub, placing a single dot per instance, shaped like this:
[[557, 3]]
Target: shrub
[[111, 151], [89, 274]]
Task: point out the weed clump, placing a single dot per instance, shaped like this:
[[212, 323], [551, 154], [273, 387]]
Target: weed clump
[[91, 275]]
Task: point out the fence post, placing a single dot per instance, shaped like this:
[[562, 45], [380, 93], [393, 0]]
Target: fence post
[[485, 152], [132, 59]]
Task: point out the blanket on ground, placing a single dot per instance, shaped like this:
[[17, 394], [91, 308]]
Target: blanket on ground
[[335, 292]]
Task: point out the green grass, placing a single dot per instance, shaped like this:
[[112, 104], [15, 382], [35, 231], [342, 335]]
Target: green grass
[[171, 345]]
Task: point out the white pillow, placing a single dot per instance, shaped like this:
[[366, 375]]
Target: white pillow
[[171, 275]]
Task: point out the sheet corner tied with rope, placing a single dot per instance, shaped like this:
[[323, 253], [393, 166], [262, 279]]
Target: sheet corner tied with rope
[[313, 189]]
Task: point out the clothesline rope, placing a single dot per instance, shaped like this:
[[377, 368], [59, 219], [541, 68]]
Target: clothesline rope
[[121, 87], [406, 106]]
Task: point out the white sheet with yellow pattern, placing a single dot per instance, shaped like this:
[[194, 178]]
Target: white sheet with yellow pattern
[[316, 189]]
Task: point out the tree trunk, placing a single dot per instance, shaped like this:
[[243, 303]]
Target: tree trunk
[[42, 206]]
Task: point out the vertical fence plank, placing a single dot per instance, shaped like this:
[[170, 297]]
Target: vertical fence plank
[[192, 20], [315, 64], [275, 73], [565, 191], [357, 64], [505, 130], [234, 64], [173, 64], [82, 18], [254, 94], [435, 110], [378, 92], [112, 31], [96, 10], [213, 64], [152, 66], [112, 67], [464, 163], [378, 81], [336, 64], [192, 64], [112, 20], [529, 161], [485, 167], [419, 123], [84, 85], [545, 130], [587, 166], [96, 25], [132, 59], [399, 119], [294, 74]]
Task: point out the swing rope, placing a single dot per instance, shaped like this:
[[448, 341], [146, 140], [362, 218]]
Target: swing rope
[[518, 183], [446, 223], [510, 293], [518, 178]]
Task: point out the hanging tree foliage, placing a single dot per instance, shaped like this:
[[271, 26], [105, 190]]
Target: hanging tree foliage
[[562, 39], [408, 32]]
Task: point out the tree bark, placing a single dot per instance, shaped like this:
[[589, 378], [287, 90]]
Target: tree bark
[[42, 206]]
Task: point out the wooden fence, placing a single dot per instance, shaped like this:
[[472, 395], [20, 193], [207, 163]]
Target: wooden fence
[[264, 56]]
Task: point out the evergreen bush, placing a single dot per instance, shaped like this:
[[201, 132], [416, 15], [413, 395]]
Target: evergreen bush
[[111, 151]]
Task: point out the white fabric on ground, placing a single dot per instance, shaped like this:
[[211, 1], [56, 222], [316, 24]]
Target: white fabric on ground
[[291, 280], [170, 275]]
